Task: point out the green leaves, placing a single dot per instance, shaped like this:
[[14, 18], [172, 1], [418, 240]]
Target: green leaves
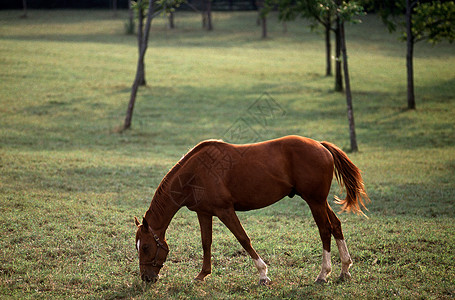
[[434, 21], [320, 11], [350, 11], [161, 6]]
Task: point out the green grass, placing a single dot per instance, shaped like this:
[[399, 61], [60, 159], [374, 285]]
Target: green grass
[[70, 184]]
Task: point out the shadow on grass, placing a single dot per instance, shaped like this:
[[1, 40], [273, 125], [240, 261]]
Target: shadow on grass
[[386, 121], [412, 199], [129, 291]]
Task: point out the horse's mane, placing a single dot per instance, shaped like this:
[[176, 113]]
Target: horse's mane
[[162, 187]]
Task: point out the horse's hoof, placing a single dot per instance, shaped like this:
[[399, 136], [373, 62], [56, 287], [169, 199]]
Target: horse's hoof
[[199, 278], [264, 281], [344, 277], [321, 281]]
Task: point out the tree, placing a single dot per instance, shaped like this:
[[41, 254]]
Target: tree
[[142, 37], [432, 21], [170, 17], [264, 8], [114, 7], [410, 56], [129, 25], [207, 15], [143, 42], [24, 8], [153, 8], [347, 13], [350, 110], [338, 76], [332, 14], [321, 13]]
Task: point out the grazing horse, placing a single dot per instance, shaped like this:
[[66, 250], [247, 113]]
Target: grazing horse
[[216, 179]]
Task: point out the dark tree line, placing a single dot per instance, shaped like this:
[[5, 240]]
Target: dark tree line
[[225, 5], [52, 4]]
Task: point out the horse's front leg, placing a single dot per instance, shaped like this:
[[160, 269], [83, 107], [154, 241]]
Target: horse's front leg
[[205, 221], [262, 268], [230, 219]]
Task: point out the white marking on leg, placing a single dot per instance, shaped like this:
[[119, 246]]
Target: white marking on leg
[[262, 268], [346, 261], [326, 266]]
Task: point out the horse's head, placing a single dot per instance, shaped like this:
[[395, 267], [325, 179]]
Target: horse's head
[[151, 250]]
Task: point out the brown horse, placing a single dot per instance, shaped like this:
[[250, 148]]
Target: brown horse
[[216, 179]]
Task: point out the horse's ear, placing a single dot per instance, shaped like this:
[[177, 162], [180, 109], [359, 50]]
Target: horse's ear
[[145, 225], [137, 222]]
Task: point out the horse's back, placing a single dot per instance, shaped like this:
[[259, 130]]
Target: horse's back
[[253, 176], [257, 175], [310, 164]]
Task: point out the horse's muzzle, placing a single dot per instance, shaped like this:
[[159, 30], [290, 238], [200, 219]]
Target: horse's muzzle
[[149, 278]]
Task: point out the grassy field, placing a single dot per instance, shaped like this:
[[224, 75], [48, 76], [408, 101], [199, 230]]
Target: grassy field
[[70, 184]]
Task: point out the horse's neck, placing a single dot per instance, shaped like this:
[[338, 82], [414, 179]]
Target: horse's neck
[[160, 213]]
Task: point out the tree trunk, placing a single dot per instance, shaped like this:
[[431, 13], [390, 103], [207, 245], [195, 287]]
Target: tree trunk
[[130, 26], [328, 48], [114, 8], [140, 64], [338, 74], [350, 110], [209, 15], [129, 112], [140, 40], [264, 27], [24, 7], [204, 18], [261, 17], [204, 14], [171, 20], [409, 56]]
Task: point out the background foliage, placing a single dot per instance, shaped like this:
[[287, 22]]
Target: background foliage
[[51, 4]]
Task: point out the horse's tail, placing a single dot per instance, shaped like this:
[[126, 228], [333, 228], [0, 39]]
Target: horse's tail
[[348, 176]]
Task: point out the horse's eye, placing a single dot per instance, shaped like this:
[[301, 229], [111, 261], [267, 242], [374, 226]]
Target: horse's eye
[[145, 248]]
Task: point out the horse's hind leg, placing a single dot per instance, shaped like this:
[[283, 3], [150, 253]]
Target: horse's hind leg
[[230, 219], [321, 217], [346, 261]]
